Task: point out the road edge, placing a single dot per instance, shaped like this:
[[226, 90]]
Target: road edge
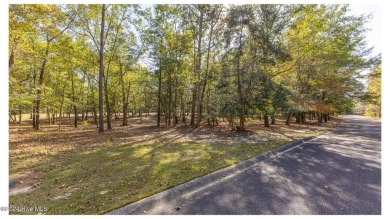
[[167, 200]]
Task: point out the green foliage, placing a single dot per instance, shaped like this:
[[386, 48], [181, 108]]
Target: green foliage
[[374, 99], [266, 59]]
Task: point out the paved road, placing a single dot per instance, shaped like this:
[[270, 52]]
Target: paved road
[[338, 173]]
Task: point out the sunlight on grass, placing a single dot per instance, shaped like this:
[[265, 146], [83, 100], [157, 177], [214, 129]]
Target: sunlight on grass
[[97, 181]]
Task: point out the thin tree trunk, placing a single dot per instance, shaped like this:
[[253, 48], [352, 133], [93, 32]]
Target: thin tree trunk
[[239, 89], [199, 70], [298, 118], [48, 116], [159, 95], [20, 116], [60, 118], [95, 119], [101, 72], [288, 118], [319, 117]]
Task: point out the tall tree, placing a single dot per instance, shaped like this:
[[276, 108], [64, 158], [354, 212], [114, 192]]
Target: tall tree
[[101, 72]]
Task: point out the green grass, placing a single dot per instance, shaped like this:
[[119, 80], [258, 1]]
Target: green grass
[[100, 180]]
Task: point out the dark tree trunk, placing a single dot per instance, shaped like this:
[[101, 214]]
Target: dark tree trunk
[[319, 117], [159, 96], [266, 122], [192, 122], [298, 118], [303, 118], [75, 116], [20, 117], [101, 72], [53, 118], [34, 117], [198, 68], [48, 117], [288, 120], [124, 121], [273, 118]]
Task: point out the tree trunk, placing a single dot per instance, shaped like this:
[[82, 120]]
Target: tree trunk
[[199, 70], [239, 89], [266, 122], [20, 116], [60, 118], [34, 117], [194, 87], [303, 119], [124, 98], [319, 117], [48, 116], [159, 95], [53, 118], [101, 72], [75, 116], [288, 120], [95, 119], [298, 118], [273, 118]]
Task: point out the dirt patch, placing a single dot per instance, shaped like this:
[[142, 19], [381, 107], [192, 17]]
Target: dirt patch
[[20, 189]]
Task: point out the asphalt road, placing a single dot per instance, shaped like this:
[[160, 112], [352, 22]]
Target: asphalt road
[[338, 173], [334, 174]]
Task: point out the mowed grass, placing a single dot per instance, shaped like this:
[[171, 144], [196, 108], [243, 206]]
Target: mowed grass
[[103, 179], [81, 171]]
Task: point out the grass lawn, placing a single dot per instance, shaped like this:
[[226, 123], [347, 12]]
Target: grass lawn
[[78, 171]]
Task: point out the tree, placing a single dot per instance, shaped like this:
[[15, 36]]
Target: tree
[[374, 82], [101, 72]]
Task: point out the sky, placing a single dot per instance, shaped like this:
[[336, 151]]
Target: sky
[[374, 35]]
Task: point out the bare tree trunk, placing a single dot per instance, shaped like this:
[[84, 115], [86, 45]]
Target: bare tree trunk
[[319, 117], [95, 119], [101, 72], [59, 119], [266, 121], [48, 116], [20, 116], [239, 89], [199, 70], [159, 95], [288, 118], [298, 118], [273, 118]]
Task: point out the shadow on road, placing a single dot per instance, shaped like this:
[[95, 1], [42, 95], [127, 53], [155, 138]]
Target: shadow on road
[[338, 173]]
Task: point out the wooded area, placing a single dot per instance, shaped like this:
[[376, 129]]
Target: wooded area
[[188, 64]]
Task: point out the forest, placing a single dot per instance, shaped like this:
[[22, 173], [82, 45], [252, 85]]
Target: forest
[[187, 64], [110, 104]]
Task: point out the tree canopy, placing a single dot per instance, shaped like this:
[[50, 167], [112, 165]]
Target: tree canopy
[[188, 63]]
